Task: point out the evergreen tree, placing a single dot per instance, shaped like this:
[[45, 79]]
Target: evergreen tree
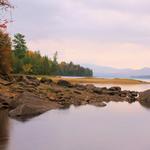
[[19, 45]]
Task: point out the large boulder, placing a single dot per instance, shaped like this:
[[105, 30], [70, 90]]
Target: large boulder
[[28, 105], [145, 96], [144, 99]]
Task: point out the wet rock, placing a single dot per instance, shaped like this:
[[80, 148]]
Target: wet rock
[[115, 88], [145, 96], [46, 80], [64, 83], [29, 104], [99, 104], [133, 94], [25, 110], [144, 99]]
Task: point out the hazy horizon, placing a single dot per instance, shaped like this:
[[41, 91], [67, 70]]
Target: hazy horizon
[[107, 33]]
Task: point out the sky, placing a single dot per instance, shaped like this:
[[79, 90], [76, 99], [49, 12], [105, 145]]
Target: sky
[[101, 32]]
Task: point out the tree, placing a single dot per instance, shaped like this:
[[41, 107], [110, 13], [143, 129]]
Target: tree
[[5, 43], [27, 68], [5, 54], [54, 64], [19, 45]]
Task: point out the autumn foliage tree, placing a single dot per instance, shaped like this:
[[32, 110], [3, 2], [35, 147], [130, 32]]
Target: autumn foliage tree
[[5, 53], [5, 43]]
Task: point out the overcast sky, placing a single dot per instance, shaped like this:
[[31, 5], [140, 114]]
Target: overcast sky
[[103, 32]]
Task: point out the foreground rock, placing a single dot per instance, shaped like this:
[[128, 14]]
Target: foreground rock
[[28, 104], [144, 98], [28, 96]]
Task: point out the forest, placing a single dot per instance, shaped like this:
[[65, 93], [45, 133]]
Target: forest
[[26, 61]]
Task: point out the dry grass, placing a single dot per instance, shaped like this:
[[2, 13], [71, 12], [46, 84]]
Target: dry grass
[[98, 80]]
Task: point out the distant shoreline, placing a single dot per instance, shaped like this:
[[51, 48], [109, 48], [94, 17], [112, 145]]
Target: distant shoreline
[[98, 80]]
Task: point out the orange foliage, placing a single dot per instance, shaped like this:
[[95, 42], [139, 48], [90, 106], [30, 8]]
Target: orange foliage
[[5, 54], [30, 53]]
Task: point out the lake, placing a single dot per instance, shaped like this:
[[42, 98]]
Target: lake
[[119, 126]]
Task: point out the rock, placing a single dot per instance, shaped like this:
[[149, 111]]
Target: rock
[[98, 90], [77, 92], [51, 97], [80, 87], [26, 110], [99, 104], [29, 80], [64, 83], [133, 94], [144, 99], [18, 78], [4, 82], [145, 96], [4, 105], [46, 80], [4, 102], [90, 87], [28, 104], [108, 92], [31, 77], [115, 88]]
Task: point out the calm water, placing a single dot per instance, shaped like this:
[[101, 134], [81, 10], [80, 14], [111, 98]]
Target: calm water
[[119, 126]]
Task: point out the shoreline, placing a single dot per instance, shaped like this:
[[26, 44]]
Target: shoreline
[[29, 96], [95, 80]]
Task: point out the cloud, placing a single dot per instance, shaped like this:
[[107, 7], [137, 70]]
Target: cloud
[[87, 28]]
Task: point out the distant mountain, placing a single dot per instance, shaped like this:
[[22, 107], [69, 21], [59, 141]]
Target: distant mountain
[[103, 71]]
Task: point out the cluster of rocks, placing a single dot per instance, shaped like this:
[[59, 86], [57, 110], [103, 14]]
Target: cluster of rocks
[[28, 96]]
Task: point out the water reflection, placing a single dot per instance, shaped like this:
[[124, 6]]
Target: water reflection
[[4, 130]]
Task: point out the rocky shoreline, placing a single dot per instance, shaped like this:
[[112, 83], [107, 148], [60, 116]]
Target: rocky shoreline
[[26, 96]]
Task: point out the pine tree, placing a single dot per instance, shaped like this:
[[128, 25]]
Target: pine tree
[[19, 45]]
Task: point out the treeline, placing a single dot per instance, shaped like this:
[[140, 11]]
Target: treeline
[[29, 62]]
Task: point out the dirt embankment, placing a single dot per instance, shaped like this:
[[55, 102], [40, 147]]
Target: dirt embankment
[[26, 96]]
